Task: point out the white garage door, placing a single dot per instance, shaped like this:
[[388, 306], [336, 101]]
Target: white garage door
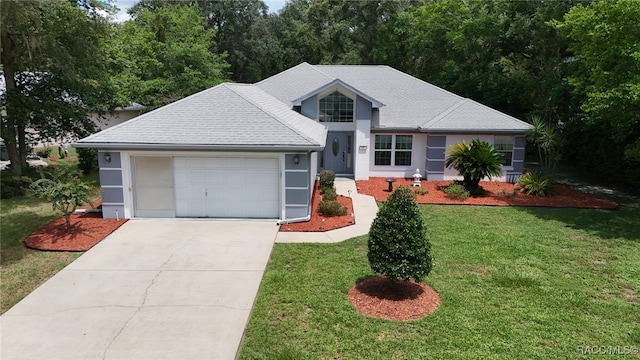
[[227, 187]]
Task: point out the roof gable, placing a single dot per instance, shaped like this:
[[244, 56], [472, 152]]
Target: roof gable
[[337, 82], [227, 116], [408, 103]]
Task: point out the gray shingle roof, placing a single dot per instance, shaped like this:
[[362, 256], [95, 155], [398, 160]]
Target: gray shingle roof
[[408, 102], [227, 116]]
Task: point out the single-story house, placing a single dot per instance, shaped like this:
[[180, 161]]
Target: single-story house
[[254, 150]]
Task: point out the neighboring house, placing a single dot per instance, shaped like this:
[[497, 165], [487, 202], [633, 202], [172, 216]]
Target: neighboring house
[[253, 151], [118, 116]]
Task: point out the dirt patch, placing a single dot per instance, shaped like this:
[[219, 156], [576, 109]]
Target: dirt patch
[[318, 222], [87, 229], [378, 297], [496, 194]]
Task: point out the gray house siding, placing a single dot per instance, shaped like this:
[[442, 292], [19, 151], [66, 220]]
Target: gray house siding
[[111, 183], [309, 107], [297, 186], [436, 147], [363, 108]]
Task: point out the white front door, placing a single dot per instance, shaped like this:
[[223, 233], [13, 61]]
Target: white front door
[[227, 187]]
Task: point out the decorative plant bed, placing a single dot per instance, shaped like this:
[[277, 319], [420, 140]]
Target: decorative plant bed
[[496, 194], [87, 229], [316, 224]]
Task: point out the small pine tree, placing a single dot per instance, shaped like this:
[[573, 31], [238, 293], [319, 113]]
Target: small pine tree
[[398, 245]]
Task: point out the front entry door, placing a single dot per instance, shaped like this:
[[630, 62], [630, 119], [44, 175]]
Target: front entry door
[[338, 153]]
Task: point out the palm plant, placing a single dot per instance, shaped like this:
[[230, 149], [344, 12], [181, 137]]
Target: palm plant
[[547, 140], [474, 162]]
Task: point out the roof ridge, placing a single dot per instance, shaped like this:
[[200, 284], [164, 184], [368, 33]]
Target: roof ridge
[[315, 67], [413, 78], [288, 126], [444, 114]]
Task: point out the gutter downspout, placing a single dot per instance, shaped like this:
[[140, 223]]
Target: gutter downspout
[[295, 220]]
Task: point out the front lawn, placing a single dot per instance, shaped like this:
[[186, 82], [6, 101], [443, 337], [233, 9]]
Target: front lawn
[[515, 283], [21, 269]]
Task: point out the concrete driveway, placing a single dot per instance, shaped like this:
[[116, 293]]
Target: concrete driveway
[[154, 289]]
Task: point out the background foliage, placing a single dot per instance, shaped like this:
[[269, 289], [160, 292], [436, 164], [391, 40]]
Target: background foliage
[[575, 66]]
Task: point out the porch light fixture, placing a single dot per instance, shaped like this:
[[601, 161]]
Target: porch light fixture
[[107, 157], [296, 159]]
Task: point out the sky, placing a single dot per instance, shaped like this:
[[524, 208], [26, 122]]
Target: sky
[[124, 5]]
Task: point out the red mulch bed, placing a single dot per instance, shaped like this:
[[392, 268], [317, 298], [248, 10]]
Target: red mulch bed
[[316, 224], [378, 297], [495, 194], [87, 229]]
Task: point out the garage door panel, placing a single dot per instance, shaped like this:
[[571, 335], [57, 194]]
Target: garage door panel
[[215, 176], [261, 193], [154, 188], [228, 187]]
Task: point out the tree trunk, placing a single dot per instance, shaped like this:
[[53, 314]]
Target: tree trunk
[[67, 218], [10, 129]]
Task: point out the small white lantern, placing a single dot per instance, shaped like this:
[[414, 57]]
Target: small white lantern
[[416, 178]]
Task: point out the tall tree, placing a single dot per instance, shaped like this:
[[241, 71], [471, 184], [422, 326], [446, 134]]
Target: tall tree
[[501, 53], [605, 38], [54, 69], [171, 57], [235, 23]]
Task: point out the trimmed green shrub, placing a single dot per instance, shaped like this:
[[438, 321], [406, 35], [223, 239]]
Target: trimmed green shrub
[[421, 191], [536, 183], [327, 177], [398, 247], [329, 194], [331, 208], [87, 160], [457, 191]]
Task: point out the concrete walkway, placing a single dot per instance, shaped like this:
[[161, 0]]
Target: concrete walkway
[[364, 208], [154, 289]]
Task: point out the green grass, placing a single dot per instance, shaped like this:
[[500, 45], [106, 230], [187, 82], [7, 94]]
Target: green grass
[[21, 269], [515, 283]]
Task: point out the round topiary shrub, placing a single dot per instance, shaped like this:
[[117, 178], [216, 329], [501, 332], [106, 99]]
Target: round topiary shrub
[[331, 208], [398, 245], [329, 194], [327, 178]]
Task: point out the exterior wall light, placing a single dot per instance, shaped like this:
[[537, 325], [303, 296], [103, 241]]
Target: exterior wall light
[[107, 157], [296, 159]]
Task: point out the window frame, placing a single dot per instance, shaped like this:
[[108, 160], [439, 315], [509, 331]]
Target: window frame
[[499, 140], [395, 148], [340, 108]]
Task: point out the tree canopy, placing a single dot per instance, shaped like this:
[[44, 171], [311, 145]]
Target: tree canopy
[[572, 65], [604, 38], [55, 71], [167, 54]]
